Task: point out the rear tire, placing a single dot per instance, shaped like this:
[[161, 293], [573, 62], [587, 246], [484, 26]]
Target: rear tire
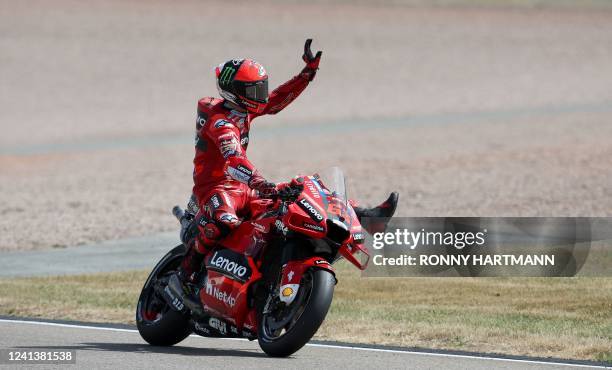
[[315, 309], [161, 326]]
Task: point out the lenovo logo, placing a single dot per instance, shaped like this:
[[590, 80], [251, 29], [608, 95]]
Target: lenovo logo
[[310, 209]]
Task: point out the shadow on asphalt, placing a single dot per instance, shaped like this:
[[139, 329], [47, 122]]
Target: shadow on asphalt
[[145, 348]]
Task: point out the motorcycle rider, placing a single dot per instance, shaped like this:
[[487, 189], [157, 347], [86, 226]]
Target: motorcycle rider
[[224, 178]]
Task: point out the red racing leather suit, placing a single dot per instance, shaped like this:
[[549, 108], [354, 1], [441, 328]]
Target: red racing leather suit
[[223, 176]]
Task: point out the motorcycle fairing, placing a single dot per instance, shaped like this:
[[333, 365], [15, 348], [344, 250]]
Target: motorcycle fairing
[[225, 292]]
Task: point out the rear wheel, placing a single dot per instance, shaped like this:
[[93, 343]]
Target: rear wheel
[[282, 329], [157, 322]]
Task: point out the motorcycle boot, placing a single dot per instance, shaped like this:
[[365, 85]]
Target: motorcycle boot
[[380, 214], [183, 283]]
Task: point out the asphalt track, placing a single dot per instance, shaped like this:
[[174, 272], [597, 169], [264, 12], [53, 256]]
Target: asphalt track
[[113, 255], [99, 346]]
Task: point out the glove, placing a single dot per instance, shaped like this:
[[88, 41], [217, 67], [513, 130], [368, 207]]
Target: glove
[[265, 188], [312, 62], [290, 190]]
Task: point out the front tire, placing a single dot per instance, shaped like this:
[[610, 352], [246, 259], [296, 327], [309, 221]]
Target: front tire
[[315, 304], [157, 322]]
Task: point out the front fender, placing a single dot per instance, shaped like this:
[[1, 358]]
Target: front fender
[[291, 275]]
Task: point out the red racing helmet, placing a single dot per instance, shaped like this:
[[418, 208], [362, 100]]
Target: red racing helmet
[[244, 82]]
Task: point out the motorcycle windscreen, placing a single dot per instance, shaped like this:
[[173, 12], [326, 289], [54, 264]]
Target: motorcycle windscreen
[[336, 201], [333, 179]]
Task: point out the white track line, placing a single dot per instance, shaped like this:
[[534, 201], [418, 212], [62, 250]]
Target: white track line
[[44, 323]]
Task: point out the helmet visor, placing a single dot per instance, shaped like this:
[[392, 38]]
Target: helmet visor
[[256, 91]]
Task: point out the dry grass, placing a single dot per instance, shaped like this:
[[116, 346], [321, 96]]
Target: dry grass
[[560, 317], [567, 318]]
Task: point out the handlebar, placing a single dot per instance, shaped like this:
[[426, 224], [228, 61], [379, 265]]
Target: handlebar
[[290, 193]]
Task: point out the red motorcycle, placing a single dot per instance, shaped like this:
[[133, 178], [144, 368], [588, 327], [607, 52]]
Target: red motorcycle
[[271, 279]]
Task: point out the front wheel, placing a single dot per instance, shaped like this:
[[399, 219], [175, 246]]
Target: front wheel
[[284, 330], [157, 322]]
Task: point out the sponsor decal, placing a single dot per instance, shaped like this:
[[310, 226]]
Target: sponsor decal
[[222, 123], [290, 275], [226, 75], [313, 227], [318, 262], [313, 190], [238, 175], [280, 226], [231, 264], [218, 324], [227, 95], [228, 145], [229, 218], [310, 209], [261, 71], [287, 291], [176, 302], [220, 295], [244, 140], [200, 121], [215, 202], [248, 103], [358, 238], [245, 170], [200, 328]]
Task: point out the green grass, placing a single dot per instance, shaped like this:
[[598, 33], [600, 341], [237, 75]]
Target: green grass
[[604, 356], [548, 317]]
